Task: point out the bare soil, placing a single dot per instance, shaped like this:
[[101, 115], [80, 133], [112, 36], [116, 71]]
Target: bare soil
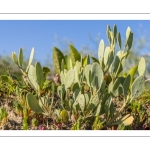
[[14, 122]]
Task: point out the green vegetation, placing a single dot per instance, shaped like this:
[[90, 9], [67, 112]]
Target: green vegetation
[[87, 93]]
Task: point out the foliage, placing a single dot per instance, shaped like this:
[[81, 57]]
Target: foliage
[[89, 95], [3, 115], [92, 93]]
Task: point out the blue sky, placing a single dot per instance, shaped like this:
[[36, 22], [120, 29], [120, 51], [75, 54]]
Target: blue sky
[[41, 34]]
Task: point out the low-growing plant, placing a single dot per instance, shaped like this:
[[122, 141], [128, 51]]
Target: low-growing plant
[[34, 123], [25, 119], [34, 87], [7, 86], [3, 115], [90, 90], [17, 108], [86, 93]]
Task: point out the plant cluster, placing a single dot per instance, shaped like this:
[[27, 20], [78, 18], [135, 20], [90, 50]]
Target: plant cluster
[[86, 93]]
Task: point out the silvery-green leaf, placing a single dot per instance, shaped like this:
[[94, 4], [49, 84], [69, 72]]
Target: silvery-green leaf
[[39, 74], [32, 76], [33, 103], [126, 85], [30, 59], [137, 87], [107, 50], [20, 58], [69, 79], [142, 67], [97, 76], [87, 71], [119, 40], [14, 58], [81, 100], [101, 51]]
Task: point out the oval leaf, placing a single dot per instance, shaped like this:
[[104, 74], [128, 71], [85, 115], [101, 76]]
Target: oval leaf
[[142, 67], [14, 58], [69, 79], [97, 76], [106, 54], [30, 59], [33, 103], [108, 33], [39, 74], [126, 85], [32, 76], [119, 40], [74, 54], [20, 58], [57, 59], [137, 87], [81, 100], [87, 74], [101, 51], [129, 38]]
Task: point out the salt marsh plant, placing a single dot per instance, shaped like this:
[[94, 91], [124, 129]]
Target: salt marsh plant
[[92, 90], [92, 93]]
